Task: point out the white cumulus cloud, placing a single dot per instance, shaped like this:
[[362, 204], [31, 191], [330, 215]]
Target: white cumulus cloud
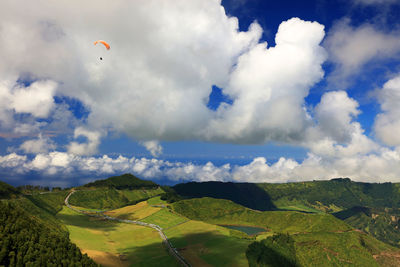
[[153, 147], [36, 99], [165, 56], [268, 86], [40, 145], [86, 148], [381, 166], [350, 48], [334, 114], [387, 123], [32, 101]]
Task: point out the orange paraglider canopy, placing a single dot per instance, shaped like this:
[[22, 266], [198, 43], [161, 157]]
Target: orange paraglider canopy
[[103, 42]]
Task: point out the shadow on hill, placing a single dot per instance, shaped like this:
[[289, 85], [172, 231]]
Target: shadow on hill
[[151, 255], [245, 194], [296, 210], [44, 205], [85, 221], [277, 250], [345, 214]]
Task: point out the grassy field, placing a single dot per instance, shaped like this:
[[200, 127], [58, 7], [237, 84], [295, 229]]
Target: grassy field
[[200, 243], [165, 218], [115, 244], [204, 244], [88, 209], [156, 201], [134, 212]]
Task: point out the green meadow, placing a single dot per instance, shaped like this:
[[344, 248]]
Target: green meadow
[[156, 201], [200, 243], [112, 243], [204, 244], [165, 218]]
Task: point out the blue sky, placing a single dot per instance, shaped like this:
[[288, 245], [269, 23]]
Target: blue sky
[[238, 90]]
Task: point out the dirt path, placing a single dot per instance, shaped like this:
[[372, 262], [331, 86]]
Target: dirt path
[[164, 238]]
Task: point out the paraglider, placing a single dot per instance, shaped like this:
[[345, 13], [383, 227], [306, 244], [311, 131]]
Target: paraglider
[[104, 43]]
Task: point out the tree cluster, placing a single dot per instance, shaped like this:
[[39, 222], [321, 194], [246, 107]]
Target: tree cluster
[[25, 240]]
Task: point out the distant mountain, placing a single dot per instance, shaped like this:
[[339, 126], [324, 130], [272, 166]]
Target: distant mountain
[[335, 194], [125, 181], [328, 196], [371, 207], [246, 194]]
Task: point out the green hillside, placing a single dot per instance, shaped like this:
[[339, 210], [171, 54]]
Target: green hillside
[[220, 211], [111, 198], [7, 191], [52, 202], [125, 181], [321, 249], [382, 223], [341, 193], [31, 236], [309, 239], [327, 196], [114, 192], [245, 194], [276, 250], [339, 196]]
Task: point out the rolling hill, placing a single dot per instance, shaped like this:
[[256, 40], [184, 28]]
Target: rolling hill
[[382, 223], [115, 192], [337, 196], [339, 193], [319, 223], [125, 181], [246, 194], [294, 238]]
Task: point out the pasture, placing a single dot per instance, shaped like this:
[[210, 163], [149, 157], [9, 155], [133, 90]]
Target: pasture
[[115, 244]]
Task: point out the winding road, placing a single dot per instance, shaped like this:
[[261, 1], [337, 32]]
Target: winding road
[[164, 238]]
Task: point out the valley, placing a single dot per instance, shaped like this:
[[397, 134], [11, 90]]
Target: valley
[[121, 221]]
